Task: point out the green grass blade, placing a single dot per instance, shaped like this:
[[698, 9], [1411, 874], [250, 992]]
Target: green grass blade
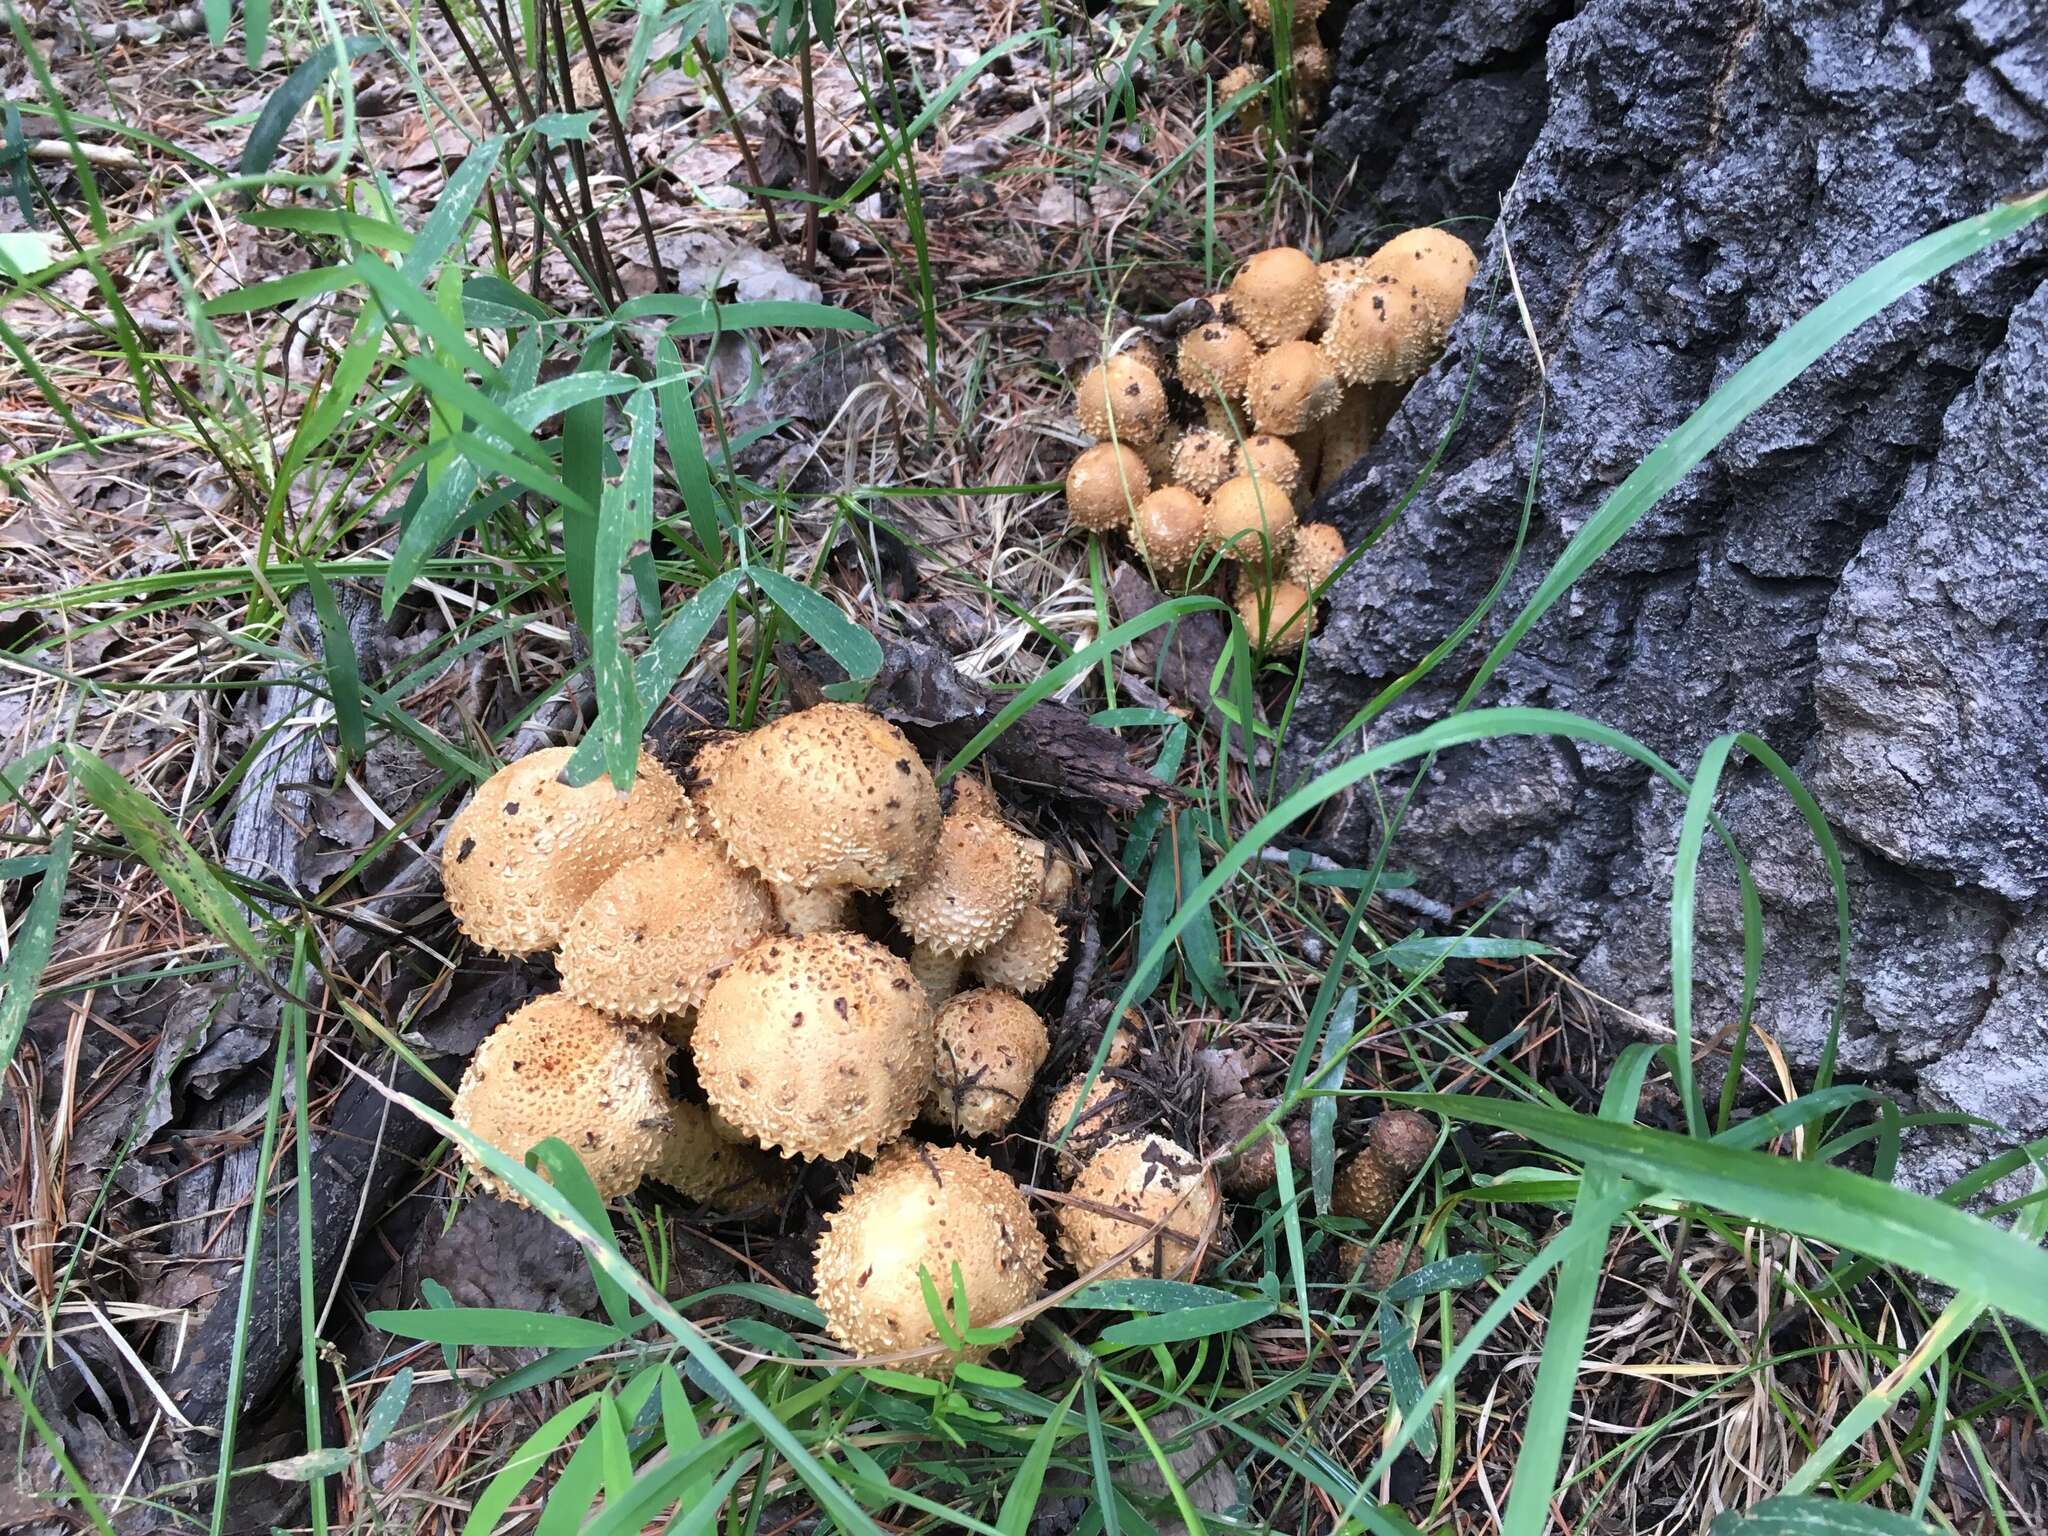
[[838, 636], [520, 1466], [1020, 1499], [338, 660], [33, 941], [289, 99], [1796, 1516], [625, 523]]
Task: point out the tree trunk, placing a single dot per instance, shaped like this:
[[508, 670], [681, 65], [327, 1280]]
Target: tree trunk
[[1859, 575]]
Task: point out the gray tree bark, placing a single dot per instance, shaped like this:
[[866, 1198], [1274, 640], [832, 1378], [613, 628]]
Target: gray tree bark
[[1859, 575]]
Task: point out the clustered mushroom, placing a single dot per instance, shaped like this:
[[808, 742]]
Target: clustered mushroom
[[1294, 371]]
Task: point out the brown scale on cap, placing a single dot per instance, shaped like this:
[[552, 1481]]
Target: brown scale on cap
[[991, 1044], [557, 1068], [1312, 69], [701, 1162], [1292, 388], [1216, 360], [1252, 521], [648, 941], [1436, 267], [1242, 78], [1317, 551], [520, 858], [1025, 958], [833, 795], [817, 1045], [1403, 1139], [979, 882], [1365, 1189], [1382, 334], [1279, 618], [1270, 460], [1096, 1126], [1203, 460], [1130, 1187], [1277, 296], [1342, 278], [1104, 484], [1170, 527], [928, 1207], [1121, 400]]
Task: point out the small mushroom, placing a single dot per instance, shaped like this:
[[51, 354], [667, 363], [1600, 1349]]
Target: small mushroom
[[1343, 277], [1121, 401], [817, 1045], [1312, 69], [1253, 522], [648, 941], [1241, 78], [1277, 296], [1348, 435], [1103, 485], [1145, 1186], [1434, 265], [991, 1044], [702, 1161], [557, 1068], [1096, 1124], [1279, 617], [1384, 1263], [1292, 387], [1365, 1189], [1382, 334], [1317, 551], [1170, 527], [1025, 958], [980, 881], [833, 795], [524, 853], [1270, 460], [1204, 459], [1302, 13], [926, 1208], [1403, 1139], [1215, 360]]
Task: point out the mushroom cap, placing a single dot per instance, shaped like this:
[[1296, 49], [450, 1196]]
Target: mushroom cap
[[1381, 334], [1277, 296], [1216, 359], [1158, 456], [817, 1045], [1303, 13], [1270, 460], [1292, 388], [830, 795], [1170, 525], [936, 971], [649, 940], [1097, 1125], [1343, 277], [1435, 266], [1121, 399], [1025, 958], [979, 882], [1278, 617], [1253, 521], [1385, 1263], [1403, 1139], [1311, 66], [929, 1207], [1318, 549], [1242, 77], [813, 911], [1123, 1048], [1365, 1189], [701, 1162], [524, 853], [1254, 1170], [991, 1044], [1140, 1183], [556, 1068], [1203, 459], [1103, 484]]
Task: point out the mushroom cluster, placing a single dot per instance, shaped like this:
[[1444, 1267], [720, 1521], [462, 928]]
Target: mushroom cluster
[[1281, 384], [1310, 67]]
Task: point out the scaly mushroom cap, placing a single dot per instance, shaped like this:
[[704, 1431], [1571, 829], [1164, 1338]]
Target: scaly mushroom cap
[[1121, 400], [1403, 1139], [1103, 484], [1311, 68], [557, 1068], [991, 1045], [698, 1161], [1158, 456], [1216, 359], [818, 1045], [1253, 521], [1278, 618], [1365, 1189], [1170, 525], [1382, 334], [1341, 278], [928, 1207], [1271, 461], [814, 911], [1278, 296], [524, 853], [1025, 958], [1098, 1122], [1317, 551], [1384, 1264], [1292, 388], [1242, 78], [1436, 267], [1142, 1183], [651, 938], [1203, 460], [980, 880], [830, 795], [1303, 13]]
